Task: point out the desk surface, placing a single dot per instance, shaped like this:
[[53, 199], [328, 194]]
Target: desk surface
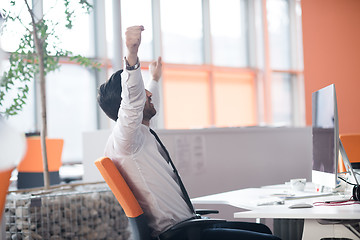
[[249, 198]]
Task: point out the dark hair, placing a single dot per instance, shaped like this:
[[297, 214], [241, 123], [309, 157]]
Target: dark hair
[[109, 95]]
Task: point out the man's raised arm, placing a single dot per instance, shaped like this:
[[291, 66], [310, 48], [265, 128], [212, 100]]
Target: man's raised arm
[[133, 40]]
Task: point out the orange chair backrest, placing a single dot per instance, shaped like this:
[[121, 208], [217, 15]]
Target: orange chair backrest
[[351, 144], [119, 187], [4, 186], [32, 161]]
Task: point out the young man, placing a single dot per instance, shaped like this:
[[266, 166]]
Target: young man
[[140, 158], [132, 147]]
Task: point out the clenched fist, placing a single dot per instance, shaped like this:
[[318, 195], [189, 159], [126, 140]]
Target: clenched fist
[[155, 69], [133, 40]]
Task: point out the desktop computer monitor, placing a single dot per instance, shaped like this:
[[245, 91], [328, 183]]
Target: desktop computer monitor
[[325, 136]]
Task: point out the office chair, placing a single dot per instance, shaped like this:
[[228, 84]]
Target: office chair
[[30, 169], [188, 230], [351, 143], [4, 185]]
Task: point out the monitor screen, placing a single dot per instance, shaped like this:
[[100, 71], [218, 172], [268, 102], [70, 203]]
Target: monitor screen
[[325, 134]]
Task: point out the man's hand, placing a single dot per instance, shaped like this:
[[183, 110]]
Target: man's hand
[[133, 40], [155, 69]]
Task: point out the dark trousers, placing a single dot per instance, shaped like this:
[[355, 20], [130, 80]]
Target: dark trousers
[[222, 231], [238, 230]]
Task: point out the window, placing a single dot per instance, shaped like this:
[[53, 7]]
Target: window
[[75, 40], [181, 26], [70, 104], [70, 90], [228, 33], [233, 64], [281, 97], [132, 14], [25, 120], [252, 65], [279, 34], [14, 30], [187, 98], [284, 30], [235, 103]]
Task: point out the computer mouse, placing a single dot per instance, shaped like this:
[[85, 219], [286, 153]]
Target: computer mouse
[[301, 205]]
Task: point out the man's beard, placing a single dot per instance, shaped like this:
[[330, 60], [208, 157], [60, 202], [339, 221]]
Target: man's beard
[[149, 113]]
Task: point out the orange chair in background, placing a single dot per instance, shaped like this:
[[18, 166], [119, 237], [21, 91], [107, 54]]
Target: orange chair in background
[[4, 186], [351, 143], [30, 170]]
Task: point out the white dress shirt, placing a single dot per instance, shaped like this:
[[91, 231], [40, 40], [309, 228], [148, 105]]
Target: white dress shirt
[[153, 87], [134, 150]]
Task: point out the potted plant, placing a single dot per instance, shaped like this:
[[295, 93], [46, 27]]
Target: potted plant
[[35, 57]]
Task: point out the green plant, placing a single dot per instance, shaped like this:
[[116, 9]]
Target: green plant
[[37, 55]]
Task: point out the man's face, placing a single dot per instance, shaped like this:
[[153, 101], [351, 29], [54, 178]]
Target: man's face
[[149, 110]]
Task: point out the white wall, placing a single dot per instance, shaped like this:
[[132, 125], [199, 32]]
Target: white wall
[[223, 159], [236, 158]]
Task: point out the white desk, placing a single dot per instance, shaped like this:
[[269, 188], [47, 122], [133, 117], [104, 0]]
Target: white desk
[[249, 198]]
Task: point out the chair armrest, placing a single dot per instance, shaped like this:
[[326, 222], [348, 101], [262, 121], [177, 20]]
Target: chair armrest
[[206, 211]]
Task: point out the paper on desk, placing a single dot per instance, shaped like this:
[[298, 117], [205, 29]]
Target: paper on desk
[[299, 195], [270, 201]]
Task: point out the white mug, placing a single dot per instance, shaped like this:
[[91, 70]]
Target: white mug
[[298, 184]]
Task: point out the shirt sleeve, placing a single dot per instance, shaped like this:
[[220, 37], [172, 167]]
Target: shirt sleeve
[[127, 136], [153, 87]]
